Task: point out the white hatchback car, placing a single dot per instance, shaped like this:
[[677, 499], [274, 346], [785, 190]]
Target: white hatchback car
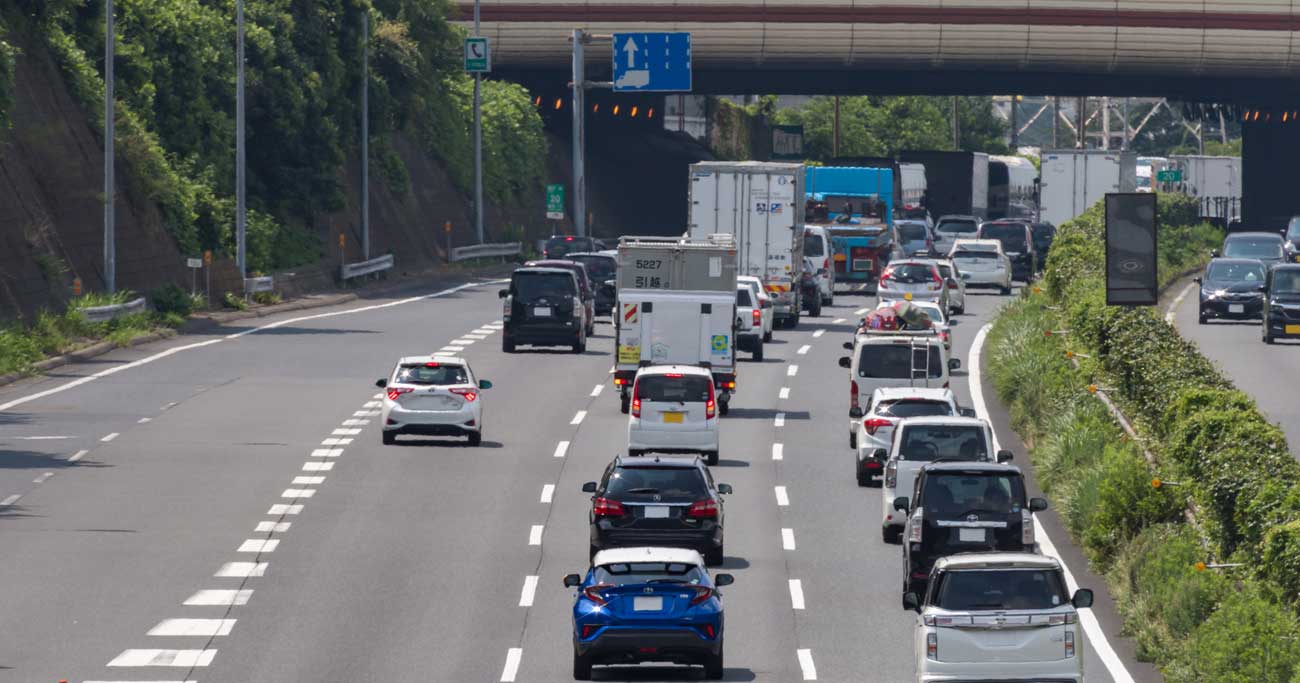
[[913, 280], [433, 396], [871, 428], [674, 410], [755, 286], [998, 617], [982, 264]]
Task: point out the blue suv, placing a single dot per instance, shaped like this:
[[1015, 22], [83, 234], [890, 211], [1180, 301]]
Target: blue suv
[[647, 605]]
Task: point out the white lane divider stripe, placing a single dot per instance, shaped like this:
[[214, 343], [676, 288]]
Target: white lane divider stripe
[[10, 500], [182, 658], [326, 452], [476, 337], [345, 432], [41, 479], [561, 448], [598, 388], [280, 509], [818, 333], [535, 534], [42, 438], [782, 498], [241, 570], [778, 451], [272, 527], [837, 321], [298, 493], [779, 420], [463, 342], [378, 396], [784, 393], [193, 627], [577, 418], [372, 404], [312, 466], [861, 311], [308, 481], [143, 420], [354, 422], [787, 539], [792, 370], [336, 442], [803, 350], [110, 437], [513, 656], [452, 348], [529, 591], [259, 545], [796, 594], [78, 455], [219, 597], [548, 492], [806, 663]]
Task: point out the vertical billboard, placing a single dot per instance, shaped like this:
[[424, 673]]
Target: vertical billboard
[[1131, 250]]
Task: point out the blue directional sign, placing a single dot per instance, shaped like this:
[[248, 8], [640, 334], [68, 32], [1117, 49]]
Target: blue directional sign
[[652, 62]]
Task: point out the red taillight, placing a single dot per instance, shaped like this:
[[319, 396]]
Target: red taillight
[[394, 392], [758, 317], [708, 631], [729, 385], [872, 424], [468, 394], [431, 364], [589, 629], [703, 508], [674, 375], [853, 393], [618, 381], [568, 239], [710, 406], [702, 594], [593, 594], [604, 507], [636, 400], [826, 263]]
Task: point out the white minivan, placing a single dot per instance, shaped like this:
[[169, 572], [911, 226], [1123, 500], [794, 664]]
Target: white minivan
[[817, 252], [884, 359], [674, 410]]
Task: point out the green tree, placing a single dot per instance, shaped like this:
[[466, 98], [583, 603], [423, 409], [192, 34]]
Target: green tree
[[883, 126]]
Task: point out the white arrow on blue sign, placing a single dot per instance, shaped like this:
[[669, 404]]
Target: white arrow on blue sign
[[652, 62]]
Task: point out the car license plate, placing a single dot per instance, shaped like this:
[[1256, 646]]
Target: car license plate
[[648, 603], [656, 512], [1293, 329], [673, 418], [542, 311], [970, 535], [1236, 308]]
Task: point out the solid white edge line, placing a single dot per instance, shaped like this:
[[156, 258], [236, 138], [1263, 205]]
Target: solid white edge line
[[548, 493], [806, 664], [561, 448], [1172, 311], [778, 451], [782, 498], [779, 420], [529, 591], [578, 417], [513, 655], [535, 534], [796, 594], [1100, 644], [787, 539]]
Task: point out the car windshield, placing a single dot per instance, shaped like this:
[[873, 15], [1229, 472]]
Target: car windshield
[[911, 273], [927, 443], [431, 374], [957, 227], [1286, 281], [662, 481], [600, 268], [673, 388], [1253, 247], [813, 245], [1236, 272], [531, 286], [743, 299], [1000, 589], [1012, 236], [911, 232], [916, 212], [897, 361], [559, 246], [952, 494], [623, 573], [913, 407]]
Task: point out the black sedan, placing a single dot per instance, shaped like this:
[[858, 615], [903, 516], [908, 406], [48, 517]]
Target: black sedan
[[1232, 288]]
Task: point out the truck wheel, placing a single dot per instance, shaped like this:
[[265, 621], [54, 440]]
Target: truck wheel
[[507, 344], [767, 336], [815, 307], [864, 479], [624, 404], [581, 345], [758, 352], [1006, 290], [724, 407], [794, 321]]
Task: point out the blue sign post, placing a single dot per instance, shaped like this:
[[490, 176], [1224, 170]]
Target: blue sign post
[[652, 62]]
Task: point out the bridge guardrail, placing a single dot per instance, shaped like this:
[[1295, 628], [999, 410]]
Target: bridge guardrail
[[99, 314], [484, 250], [347, 271], [253, 285]]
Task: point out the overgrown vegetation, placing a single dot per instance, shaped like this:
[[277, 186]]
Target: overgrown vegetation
[[50, 334], [883, 126], [1233, 470]]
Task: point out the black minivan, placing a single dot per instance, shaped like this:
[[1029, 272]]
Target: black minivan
[[543, 307], [1282, 302], [1017, 243]]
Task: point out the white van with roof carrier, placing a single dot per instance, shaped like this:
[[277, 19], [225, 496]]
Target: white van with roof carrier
[[885, 359], [998, 617]]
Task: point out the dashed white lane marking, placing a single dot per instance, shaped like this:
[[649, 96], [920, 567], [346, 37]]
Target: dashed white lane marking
[[818, 333], [778, 451], [796, 594], [109, 437], [143, 420], [41, 479], [326, 452], [10, 500], [612, 368], [259, 545], [191, 681], [78, 455], [41, 438], [837, 321], [308, 481], [241, 570], [779, 420], [806, 663], [182, 658], [782, 498], [378, 396], [476, 337], [1178, 301], [219, 597], [787, 539], [548, 492], [355, 422], [372, 404], [530, 590], [193, 627], [791, 371], [862, 311], [463, 342], [597, 389], [784, 393], [345, 432], [336, 442], [535, 534], [513, 656], [167, 406], [803, 350], [298, 493], [451, 348], [272, 527], [282, 509], [577, 418], [561, 448], [317, 466]]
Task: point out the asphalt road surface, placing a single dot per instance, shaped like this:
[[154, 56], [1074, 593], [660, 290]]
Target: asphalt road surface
[[243, 522]]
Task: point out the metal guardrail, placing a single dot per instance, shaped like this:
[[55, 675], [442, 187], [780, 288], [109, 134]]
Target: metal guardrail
[[484, 250], [99, 314], [347, 271], [254, 285]]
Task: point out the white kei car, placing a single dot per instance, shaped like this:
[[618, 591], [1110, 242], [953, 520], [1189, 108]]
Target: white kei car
[[433, 396], [674, 410], [765, 302], [982, 264], [871, 428]]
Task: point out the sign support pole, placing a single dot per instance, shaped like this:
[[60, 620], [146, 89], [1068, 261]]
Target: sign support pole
[[110, 115], [579, 133], [241, 200], [478, 141], [365, 136]]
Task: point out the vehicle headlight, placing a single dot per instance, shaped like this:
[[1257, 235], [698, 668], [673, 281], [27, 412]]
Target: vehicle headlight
[[1218, 293], [1290, 245]]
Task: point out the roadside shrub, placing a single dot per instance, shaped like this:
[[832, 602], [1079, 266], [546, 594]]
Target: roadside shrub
[[232, 301], [1126, 503], [18, 350], [171, 298], [1194, 399], [1248, 639], [1281, 558]]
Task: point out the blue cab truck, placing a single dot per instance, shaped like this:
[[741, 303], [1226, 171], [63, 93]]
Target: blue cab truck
[[856, 205]]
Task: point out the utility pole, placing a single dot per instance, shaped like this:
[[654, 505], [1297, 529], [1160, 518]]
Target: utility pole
[[1015, 124], [1105, 123], [579, 133], [835, 133], [241, 203], [956, 125], [1056, 122], [478, 141], [110, 116], [365, 135], [1081, 131], [1126, 128]]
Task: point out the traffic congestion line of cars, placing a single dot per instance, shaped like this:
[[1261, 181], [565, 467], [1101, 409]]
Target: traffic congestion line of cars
[[1254, 276]]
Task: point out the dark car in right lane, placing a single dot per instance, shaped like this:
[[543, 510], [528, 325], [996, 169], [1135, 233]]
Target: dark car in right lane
[[1282, 302], [1268, 247], [1231, 288]]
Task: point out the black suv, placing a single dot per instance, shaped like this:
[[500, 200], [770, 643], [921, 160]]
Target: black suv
[[1282, 302], [1017, 243], [1044, 234], [543, 307], [959, 507], [561, 245], [657, 501], [1231, 288], [603, 270]]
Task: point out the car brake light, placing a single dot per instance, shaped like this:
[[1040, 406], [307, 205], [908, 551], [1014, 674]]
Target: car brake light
[[589, 629], [593, 594], [394, 392], [568, 239], [758, 317], [729, 384], [918, 524], [710, 406], [604, 507], [891, 474], [636, 399], [872, 424], [703, 508], [932, 646], [674, 375], [1069, 643], [619, 381], [431, 364], [708, 630], [853, 393], [1026, 526], [826, 263], [468, 394], [702, 594]]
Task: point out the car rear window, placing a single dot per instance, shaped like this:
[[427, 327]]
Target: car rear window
[[600, 268], [911, 273], [669, 388], [945, 270], [1253, 247], [949, 494], [1000, 589], [433, 374], [559, 246], [662, 481], [895, 361], [623, 573], [911, 407], [530, 286], [911, 233], [927, 443], [742, 298], [1286, 281], [957, 227], [813, 245], [1011, 236]]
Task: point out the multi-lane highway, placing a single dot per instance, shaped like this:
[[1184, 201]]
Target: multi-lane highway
[[219, 508]]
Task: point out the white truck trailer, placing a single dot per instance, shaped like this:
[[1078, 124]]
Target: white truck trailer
[[1074, 179], [1214, 181], [761, 204], [676, 305]]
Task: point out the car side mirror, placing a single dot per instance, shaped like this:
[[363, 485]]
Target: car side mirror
[[572, 580], [1005, 456], [720, 580], [953, 364], [901, 503], [1198, 280], [589, 487], [724, 489], [855, 413], [765, 303], [848, 346], [1214, 253], [381, 383], [485, 384], [1037, 504], [845, 362], [1262, 288], [911, 601], [952, 282], [880, 454], [503, 293], [1082, 598], [965, 276], [967, 412]]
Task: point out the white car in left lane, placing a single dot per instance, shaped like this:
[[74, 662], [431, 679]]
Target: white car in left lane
[[433, 396]]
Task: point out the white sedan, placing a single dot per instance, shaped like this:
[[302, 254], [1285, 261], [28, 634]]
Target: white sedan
[[871, 430], [433, 396]]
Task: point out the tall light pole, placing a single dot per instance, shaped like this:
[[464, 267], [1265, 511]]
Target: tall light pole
[[579, 133], [365, 136], [478, 141], [241, 205], [956, 125], [110, 115]]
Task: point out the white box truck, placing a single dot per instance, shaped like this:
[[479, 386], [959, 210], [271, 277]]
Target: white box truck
[[1074, 179], [761, 204], [676, 305], [1215, 181]]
